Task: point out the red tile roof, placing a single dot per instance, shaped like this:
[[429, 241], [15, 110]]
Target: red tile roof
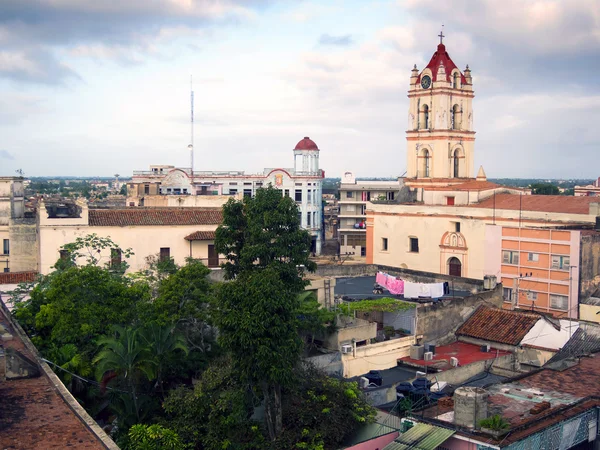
[[201, 236], [154, 216], [543, 203], [441, 56], [498, 325], [17, 277], [35, 415]]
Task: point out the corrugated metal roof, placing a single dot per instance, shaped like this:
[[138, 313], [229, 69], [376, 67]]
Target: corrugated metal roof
[[421, 437]]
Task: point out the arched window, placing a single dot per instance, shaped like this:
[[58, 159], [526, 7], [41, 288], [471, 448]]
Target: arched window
[[456, 164], [426, 162], [455, 83], [456, 117], [426, 117]]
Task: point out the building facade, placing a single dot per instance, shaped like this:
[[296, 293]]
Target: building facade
[[467, 227], [354, 198], [592, 190], [303, 183]]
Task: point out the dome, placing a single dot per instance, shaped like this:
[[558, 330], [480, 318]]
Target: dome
[[306, 144]]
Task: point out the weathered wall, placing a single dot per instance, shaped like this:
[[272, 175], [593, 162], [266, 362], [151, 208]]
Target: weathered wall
[[379, 356], [349, 329], [23, 245], [330, 363], [460, 374], [590, 313], [437, 322], [589, 265]]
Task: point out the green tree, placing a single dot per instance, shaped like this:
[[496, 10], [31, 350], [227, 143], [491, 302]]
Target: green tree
[[153, 437], [90, 248], [313, 320], [256, 311], [544, 189], [129, 358]]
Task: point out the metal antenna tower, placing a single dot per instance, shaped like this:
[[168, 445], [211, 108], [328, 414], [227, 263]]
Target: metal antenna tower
[[191, 146]]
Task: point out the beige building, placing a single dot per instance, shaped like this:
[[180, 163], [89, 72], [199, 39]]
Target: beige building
[[352, 218], [591, 190], [176, 233], [451, 224]]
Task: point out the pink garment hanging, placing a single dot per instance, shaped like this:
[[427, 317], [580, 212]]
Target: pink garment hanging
[[380, 279], [396, 286]]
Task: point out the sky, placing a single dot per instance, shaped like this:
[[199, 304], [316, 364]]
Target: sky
[[95, 88]]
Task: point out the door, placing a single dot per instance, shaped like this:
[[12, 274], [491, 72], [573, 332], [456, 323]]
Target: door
[[213, 257], [450, 201], [454, 267]]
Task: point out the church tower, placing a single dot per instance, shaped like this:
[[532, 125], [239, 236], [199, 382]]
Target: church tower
[[440, 136]]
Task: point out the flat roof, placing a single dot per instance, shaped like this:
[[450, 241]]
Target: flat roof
[[465, 353], [361, 288]]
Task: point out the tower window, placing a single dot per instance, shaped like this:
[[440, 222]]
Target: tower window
[[456, 164], [426, 163], [455, 82], [426, 117], [456, 117]]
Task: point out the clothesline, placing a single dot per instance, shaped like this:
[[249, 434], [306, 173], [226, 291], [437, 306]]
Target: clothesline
[[397, 286]]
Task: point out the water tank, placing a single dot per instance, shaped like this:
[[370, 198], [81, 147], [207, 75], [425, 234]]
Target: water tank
[[470, 406], [489, 282], [416, 352], [422, 383]]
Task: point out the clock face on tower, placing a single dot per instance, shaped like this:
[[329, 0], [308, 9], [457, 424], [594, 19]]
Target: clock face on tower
[[425, 82]]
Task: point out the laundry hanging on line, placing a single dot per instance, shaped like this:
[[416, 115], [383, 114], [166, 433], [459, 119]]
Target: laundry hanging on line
[[397, 286], [392, 284]]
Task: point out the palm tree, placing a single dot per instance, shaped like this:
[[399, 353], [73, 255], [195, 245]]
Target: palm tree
[[68, 358], [162, 341], [129, 357]]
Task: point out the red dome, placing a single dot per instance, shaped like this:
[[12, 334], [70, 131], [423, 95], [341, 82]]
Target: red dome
[[441, 56], [306, 144]]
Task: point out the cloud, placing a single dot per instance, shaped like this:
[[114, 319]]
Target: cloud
[[5, 155], [342, 41], [36, 34]]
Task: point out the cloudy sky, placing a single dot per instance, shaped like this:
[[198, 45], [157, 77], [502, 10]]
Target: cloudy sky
[[93, 88]]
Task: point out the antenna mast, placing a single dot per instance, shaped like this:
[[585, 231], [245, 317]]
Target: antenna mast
[[192, 127]]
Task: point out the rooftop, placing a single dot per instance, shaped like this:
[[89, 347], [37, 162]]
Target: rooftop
[[201, 236], [498, 325], [34, 414], [541, 203], [465, 353], [154, 216]]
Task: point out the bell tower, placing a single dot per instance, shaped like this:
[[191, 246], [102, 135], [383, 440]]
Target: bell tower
[[440, 136]]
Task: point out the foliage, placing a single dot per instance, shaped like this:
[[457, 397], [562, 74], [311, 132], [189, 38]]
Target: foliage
[[320, 410], [75, 305], [123, 190], [68, 358], [215, 414], [256, 312], [385, 304], [544, 189], [313, 320], [90, 248], [153, 437], [495, 422]]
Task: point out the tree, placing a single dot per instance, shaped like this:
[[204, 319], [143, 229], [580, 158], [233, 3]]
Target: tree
[[153, 437], [313, 320], [256, 311], [544, 189], [90, 248], [129, 358]]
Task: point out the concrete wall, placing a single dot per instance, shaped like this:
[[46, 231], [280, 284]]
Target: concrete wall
[[590, 313], [437, 322], [379, 356], [349, 330], [23, 245], [461, 374], [589, 265], [330, 363]]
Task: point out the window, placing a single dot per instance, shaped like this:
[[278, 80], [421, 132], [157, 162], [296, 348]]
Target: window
[[533, 296], [308, 219], [348, 194], [298, 196], [5, 247], [390, 195], [509, 257], [146, 189], [426, 160], [560, 262], [450, 201], [507, 294], [247, 184], [115, 258], [455, 81], [413, 245], [298, 184], [384, 244], [165, 253], [287, 192], [455, 117], [456, 164], [309, 197], [357, 240], [300, 218], [426, 116], [559, 302], [363, 210], [232, 191], [233, 183], [535, 257], [64, 255], [247, 192]]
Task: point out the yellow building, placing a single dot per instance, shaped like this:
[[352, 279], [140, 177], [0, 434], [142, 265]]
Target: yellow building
[[463, 226]]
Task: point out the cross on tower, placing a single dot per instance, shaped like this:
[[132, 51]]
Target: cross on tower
[[441, 35]]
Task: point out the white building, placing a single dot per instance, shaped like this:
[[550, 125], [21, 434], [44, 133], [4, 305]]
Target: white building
[[162, 184]]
